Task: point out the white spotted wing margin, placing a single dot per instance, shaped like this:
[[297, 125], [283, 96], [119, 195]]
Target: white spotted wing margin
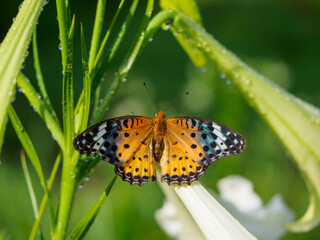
[[109, 139], [210, 140]]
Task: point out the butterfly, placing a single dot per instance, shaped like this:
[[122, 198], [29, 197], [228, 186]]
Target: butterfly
[[184, 147]]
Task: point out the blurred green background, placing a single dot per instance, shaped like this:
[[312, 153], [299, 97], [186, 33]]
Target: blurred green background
[[280, 39]]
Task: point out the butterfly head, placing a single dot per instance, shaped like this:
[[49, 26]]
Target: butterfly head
[[160, 114]]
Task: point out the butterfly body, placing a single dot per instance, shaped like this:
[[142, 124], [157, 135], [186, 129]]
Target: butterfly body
[[183, 146], [159, 129]]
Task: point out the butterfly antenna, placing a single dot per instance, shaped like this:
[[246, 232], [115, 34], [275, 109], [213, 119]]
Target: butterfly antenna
[[176, 101], [151, 96]]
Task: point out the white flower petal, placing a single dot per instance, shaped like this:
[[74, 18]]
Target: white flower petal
[[265, 222], [209, 216]]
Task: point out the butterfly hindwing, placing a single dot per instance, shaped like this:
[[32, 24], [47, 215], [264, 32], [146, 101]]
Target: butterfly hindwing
[[177, 165], [141, 165], [114, 140]]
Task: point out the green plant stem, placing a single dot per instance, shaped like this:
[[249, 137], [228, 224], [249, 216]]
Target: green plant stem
[[68, 187], [62, 12], [69, 168]]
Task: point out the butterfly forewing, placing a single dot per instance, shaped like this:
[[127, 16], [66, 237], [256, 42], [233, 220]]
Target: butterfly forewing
[[114, 140], [204, 140]]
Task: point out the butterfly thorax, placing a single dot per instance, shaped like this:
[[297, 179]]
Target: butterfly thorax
[[159, 129]]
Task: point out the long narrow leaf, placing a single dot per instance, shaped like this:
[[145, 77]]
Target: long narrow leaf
[[13, 52], [83, 226], [29, 184], [106, 37], [96, 35], [30, 150], [39, 76], [103, 48], [45, 198], [82, 119], [41, 108], [67, 96]]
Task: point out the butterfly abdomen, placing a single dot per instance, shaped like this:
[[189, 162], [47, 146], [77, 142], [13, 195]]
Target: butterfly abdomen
[[159, 130]]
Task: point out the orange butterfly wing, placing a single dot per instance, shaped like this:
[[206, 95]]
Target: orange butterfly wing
[[124, 142], [191, 144]]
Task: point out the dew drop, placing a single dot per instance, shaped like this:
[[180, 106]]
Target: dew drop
[[151, 39], [203, 69], [80, 186], [222, 76], [168, 25], [86, 179], [19, 90], [228, 82], [124, 79]]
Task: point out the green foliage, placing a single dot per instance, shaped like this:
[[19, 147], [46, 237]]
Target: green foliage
[[289, 117], [12, 54]]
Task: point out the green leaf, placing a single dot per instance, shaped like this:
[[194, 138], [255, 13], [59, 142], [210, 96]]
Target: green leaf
[[13, 51], [190, 8], [29, 184], [96, 35], [83, 226], [30, 150], [44, 111], [82, 119], [296, 123], [45, 198], [106, 54], [67, 97], [39, 76]]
